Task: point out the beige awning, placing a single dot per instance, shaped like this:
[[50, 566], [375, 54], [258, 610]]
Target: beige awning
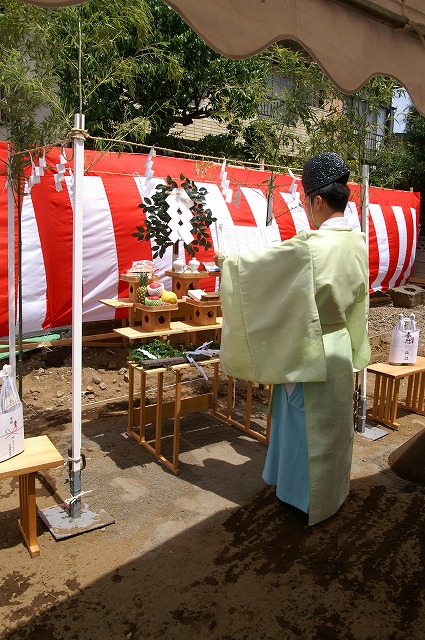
[[352, 40]]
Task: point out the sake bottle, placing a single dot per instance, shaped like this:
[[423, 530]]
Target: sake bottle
[[9, 396]]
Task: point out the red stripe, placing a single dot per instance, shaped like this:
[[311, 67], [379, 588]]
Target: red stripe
[[54, 218], [373, 253], [394, 244], [396, 198], [283, 217]]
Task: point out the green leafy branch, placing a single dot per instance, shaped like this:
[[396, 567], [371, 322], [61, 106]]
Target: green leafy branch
[[156, 226]]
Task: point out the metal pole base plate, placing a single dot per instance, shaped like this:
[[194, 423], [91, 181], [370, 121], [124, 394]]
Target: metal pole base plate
[[372, 433], [61, 525]]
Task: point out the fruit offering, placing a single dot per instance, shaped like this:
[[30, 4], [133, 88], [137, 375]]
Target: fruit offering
[[142, 290], [155, 289], [169, 297], [153, 301]]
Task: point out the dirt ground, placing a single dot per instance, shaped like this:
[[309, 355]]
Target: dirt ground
[[208, 553]]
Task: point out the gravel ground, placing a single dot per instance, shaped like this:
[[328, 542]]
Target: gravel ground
[[383, 318]]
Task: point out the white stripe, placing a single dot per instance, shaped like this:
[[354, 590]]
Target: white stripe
[[383, 245], [214, 200], [402, 234], [100, 260], [352, 215], [298, 214], [257, 202], [34, 283]]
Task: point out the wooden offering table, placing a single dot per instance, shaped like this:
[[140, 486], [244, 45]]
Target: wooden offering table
[[203, 312], [121, 303], [387, 388], [156, 413], [187, 328], [39, 453]]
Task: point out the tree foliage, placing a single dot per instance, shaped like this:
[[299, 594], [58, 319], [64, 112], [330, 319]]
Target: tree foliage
[[32, 113], [143, 70], [106, 48], [415, 141]]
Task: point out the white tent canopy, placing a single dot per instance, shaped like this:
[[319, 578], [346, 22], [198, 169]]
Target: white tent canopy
[[352, 40]]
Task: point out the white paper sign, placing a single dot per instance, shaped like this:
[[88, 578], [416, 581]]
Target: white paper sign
[[233, 240]]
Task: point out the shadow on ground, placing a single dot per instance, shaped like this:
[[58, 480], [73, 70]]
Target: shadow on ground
[[262, 573]]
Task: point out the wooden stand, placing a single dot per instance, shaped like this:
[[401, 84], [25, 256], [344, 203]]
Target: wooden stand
[[184, 281], [203, 313], [39, 453], [387, 388], [129, 301], [188, 328], [156, 413], [156, 318], [133, 285], [121, 303]]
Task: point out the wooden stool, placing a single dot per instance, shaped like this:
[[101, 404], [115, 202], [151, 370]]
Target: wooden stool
[[387, 388], [39, 453]]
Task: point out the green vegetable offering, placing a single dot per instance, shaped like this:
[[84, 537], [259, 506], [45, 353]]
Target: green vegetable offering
[[156, 349]]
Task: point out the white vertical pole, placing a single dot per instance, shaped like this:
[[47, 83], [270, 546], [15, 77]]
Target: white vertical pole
[[77, 312], [11, 261], [361, 404], [365, 203]]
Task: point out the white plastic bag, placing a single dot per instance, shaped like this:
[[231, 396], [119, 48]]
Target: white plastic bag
[[404, 341], [11, 417]]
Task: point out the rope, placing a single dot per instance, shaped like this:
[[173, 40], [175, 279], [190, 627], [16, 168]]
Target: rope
[[189, 153], [81, 134], [76, 497], [52, 145]]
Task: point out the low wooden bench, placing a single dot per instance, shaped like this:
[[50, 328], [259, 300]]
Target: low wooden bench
[[39, 453], [387, 388]]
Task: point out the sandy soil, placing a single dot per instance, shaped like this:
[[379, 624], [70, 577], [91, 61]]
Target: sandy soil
[[208, 553]]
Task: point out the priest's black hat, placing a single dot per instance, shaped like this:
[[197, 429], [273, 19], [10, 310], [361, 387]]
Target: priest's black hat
[[323, 169]]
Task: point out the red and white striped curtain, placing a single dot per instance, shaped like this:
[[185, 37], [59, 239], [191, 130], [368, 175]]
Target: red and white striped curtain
[[113, 188]]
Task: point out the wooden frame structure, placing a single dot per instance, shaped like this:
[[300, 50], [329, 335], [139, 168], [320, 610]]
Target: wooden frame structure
[[156, 413], [387, 390]]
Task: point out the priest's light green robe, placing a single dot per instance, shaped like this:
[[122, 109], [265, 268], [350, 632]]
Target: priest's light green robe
[[297, 312]]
